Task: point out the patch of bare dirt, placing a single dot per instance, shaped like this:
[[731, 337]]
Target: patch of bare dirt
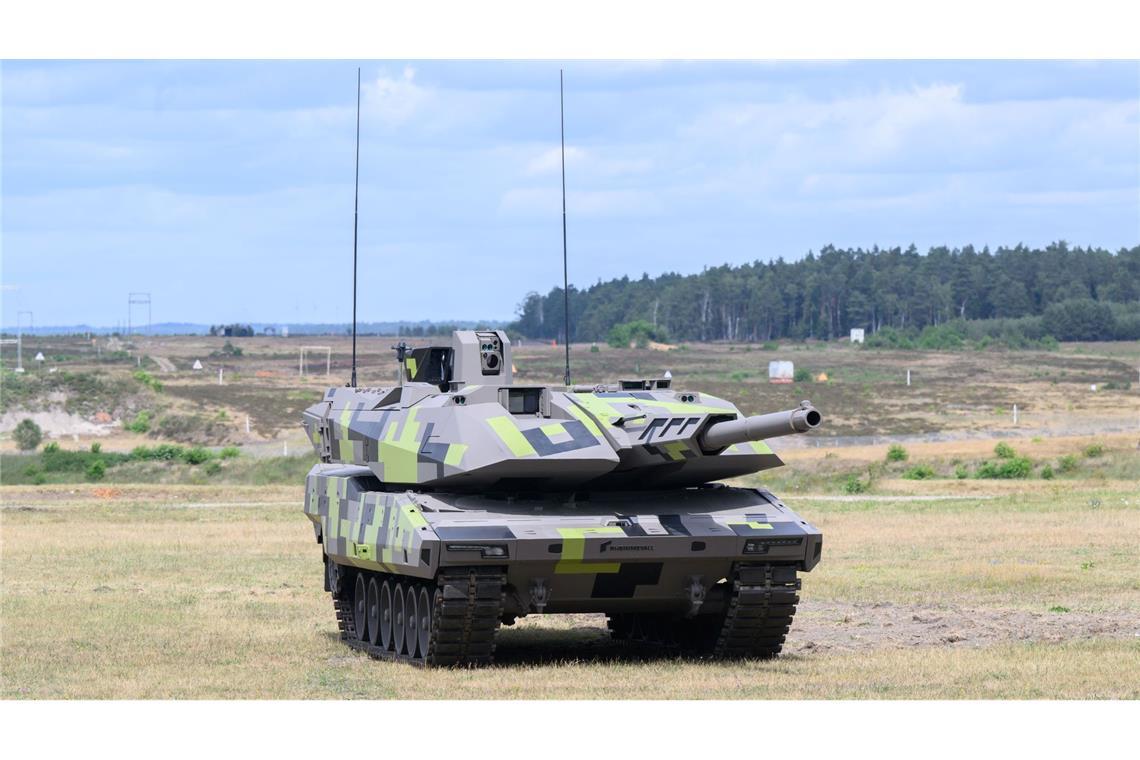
[[829, 626], [840, 627]]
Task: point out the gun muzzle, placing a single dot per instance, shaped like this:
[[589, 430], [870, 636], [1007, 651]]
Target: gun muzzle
[[799, 420]]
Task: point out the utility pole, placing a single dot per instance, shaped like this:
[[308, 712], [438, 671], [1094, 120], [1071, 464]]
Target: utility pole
[[138, 299]]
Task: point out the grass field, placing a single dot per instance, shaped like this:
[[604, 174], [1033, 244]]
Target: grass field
[[203, 592], [174, 579]]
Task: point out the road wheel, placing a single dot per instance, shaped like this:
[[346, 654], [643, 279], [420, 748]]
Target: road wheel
[[386, 616], [360, 608], [373, 611], [411, 619], [425, 610], [398, 627]]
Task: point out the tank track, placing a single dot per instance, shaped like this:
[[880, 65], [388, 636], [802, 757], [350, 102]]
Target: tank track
[[755, 622], [466, 604]]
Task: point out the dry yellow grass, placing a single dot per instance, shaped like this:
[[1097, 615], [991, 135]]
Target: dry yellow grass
[[147, 592]]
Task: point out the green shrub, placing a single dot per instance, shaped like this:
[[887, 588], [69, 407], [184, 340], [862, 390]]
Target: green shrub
[[896, 453], [213, 467], [96, 470], [1004, 451], [638, 333], [164, 452], [96, 447], [196, 455], [31, 471], [961, 472], [230, 452], [149, 380], [39, 479], [594, 348], [1006, 469], [1093, 450], [853, 485], [140, 424], [802, 376], [1047, 472], [919, 472], [51, 448], [769, 346], [1067, 463], [27, 435]]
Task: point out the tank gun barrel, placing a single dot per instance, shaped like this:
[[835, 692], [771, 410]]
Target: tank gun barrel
[[803, 418]]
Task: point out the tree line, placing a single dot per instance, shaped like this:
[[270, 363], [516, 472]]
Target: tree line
[[825, 294]]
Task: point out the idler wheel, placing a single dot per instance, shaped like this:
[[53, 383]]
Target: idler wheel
[[398, 627], [373, 598], [359, 608], [425, 609], [411, 619], [385, 616]]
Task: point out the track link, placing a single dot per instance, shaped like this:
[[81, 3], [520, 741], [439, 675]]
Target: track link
[[755, 622], [466, 609]]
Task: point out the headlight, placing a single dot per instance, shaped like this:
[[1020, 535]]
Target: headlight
[[486, 551], [760, 545]]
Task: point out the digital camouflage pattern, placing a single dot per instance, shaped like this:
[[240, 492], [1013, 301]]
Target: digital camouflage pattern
[[459, 493]]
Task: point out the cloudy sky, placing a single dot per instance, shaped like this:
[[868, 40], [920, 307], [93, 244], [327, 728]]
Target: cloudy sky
[[225, 189]]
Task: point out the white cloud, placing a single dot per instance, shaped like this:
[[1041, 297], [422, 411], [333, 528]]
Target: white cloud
[[547, 203], [394, 99], [551, 160]]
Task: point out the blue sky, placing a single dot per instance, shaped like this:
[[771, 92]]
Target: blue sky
[[225, 188]]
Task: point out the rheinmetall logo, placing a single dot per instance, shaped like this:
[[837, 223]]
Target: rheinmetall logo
[[609, 546]]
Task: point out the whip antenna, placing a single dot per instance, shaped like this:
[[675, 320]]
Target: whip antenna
[[355, 217], [565, 273]]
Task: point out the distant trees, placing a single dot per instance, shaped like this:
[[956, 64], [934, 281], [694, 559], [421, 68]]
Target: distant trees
[[825, 294], [232, 331]]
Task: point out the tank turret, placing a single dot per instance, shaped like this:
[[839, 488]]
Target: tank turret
[[457, 420]]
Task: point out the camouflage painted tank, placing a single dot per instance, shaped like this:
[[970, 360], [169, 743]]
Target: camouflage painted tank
[[457, 500]]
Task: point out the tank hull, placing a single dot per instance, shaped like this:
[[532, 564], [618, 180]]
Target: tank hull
[[681, 557]]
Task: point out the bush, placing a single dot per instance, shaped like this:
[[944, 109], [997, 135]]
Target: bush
[[896, 453], [1004, 451], [1093, 450], [854, 485], [637, 333], [1007, 469], [768, 346], [140, 424], [96, 447], [213, 467], [961, 472], [1067, 463], [96, 470], [149, 380], [164, 452], [27, 435], [919, 472], [1047, 472], [196, 455], [594, 348], [230, 452], [889, 337], [51, 448], [802, 375]]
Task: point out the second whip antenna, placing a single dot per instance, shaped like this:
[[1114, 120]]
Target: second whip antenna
[[565, 271]]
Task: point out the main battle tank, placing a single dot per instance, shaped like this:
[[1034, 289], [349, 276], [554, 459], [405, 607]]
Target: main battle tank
[[458, 500]]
